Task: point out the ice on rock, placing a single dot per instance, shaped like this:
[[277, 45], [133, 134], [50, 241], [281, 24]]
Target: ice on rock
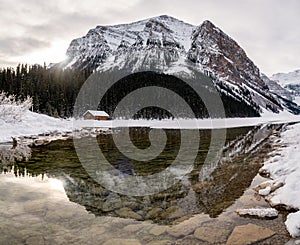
[[259, 212]]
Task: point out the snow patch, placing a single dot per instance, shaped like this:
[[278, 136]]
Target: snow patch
[[265, 192], [259, 212]]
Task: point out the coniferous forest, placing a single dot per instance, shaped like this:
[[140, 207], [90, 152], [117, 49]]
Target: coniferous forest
[[54, 92]]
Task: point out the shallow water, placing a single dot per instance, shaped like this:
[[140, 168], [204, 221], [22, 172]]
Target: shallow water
[[52, 199]]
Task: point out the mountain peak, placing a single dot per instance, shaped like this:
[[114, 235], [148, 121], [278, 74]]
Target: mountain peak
[[165, 17], [208, 23], [172, 45]]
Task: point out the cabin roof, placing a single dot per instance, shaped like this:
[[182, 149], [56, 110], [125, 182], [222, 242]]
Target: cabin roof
[[96, 113]]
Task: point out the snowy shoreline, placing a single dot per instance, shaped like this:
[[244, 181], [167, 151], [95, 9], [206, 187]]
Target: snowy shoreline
[[283, 167], [34, 124], [283, 170]]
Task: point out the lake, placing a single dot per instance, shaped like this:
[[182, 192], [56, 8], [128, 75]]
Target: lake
[[52, 198]]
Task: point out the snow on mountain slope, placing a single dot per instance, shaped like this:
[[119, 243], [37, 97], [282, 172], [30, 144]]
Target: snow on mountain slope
[[285, 79], [290, 81], [116, 44], [276, 88], [170, 45]]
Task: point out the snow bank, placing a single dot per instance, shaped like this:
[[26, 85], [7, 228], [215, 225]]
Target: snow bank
[[33, 124], [285, 168]]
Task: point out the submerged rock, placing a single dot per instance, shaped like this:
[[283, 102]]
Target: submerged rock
[[158, 230], [160, 242], [249, 234], [134, 227], [37, 240], [154, 213], [181, 230], [122, 242], [211, 234], [128, 213]]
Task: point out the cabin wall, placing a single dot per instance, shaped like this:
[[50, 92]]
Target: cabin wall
[[91, 117], [101, 118]]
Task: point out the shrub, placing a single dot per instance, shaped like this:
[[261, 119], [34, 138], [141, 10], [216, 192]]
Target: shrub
[[13, 109]]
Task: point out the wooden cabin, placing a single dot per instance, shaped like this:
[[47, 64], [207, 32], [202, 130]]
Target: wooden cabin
[[95, 115]]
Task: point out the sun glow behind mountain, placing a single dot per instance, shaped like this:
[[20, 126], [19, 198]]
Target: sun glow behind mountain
[[53, 54]]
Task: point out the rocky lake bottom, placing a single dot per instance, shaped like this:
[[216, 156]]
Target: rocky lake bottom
[[51, 199]]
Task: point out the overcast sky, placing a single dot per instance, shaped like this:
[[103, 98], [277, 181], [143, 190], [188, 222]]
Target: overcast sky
[[34, 31]]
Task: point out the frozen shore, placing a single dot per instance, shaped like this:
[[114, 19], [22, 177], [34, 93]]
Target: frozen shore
[[283, 167], [34, 124], [283, 190]]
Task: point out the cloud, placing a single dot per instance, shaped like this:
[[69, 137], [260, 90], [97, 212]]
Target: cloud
[[267, 30], [33, 25], [15, 46]]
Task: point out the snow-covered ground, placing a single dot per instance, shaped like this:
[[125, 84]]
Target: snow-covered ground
[[32, 124], [35, 124], [191, 123], [285, 169]]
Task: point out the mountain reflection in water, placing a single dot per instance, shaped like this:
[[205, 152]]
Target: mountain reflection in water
[[209, 189]]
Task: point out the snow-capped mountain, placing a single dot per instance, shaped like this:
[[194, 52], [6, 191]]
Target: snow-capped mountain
[[290, 81], [175, 46], [285, 79], [286, 97], [277, 89]]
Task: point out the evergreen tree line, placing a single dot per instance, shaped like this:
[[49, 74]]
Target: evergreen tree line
[[53, 90], [128, 84]]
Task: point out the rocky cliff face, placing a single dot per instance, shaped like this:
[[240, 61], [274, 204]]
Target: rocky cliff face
[[174, 46], [220, 54]]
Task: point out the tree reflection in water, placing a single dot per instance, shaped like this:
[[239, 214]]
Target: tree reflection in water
[[210, 189], [11, 154]]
